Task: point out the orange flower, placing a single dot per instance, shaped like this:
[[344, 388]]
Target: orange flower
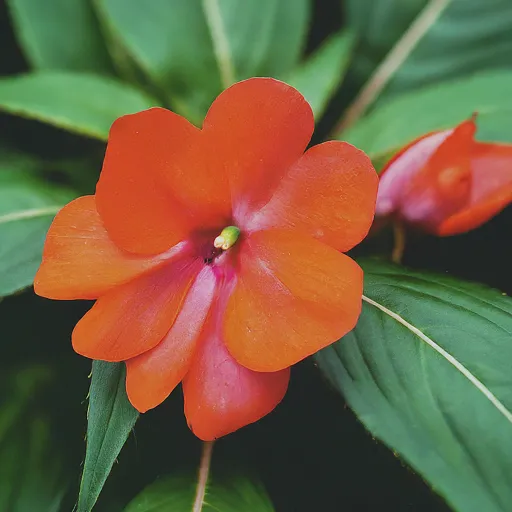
[[446, 182], [215, 255]]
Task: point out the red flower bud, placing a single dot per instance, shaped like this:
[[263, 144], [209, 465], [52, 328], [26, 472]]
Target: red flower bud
[[446, 182]]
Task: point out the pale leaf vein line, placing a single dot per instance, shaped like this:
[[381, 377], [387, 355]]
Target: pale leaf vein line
[[220, 41], [440, 350], [29, 214]]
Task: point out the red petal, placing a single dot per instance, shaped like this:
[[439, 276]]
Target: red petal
[[222, 396], [156, 185], [79, 259], [329, 194], [431, 179], [258, 127], [402, 169], [294, 295], [491, 191], [135, 317], [152, 376]]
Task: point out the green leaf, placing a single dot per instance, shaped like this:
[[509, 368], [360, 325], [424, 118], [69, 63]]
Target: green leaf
[[378, 26], [468, 36], [32, 474], [189, 48], [78, 102], [111, 417], [178, 493], [427, 371], [170, 41], [261, 37], [27, 208], [59, 34], [289, 33], [437, 107], [319, 76]]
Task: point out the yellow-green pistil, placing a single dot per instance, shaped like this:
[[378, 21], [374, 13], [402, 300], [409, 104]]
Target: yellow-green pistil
[[227, 238]]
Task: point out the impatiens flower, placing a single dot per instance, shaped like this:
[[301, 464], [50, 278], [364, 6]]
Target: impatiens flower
[[446, 182], [215, 254]]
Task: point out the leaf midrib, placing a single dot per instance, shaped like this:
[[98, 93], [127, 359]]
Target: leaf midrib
[[446, 355], [30, 213]]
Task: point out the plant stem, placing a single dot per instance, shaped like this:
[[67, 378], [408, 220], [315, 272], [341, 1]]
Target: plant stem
[[391, 63], [203, 475], [399, 244]]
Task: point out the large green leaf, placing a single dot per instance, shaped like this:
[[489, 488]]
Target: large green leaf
[[469, 35], [27, 208], [378, 26], [111, 417], [319, 76], [82, 103], [427, 370], [289, 32], [189, 47], [32, 474], [178, 493], [436, 107], [59, 34]]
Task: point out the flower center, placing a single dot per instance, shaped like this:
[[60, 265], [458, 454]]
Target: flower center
[[227, 238]]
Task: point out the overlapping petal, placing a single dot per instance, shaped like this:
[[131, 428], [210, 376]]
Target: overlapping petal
[[135, 317], [402, 169], [329, 193], [221, 395], [429, 180], [446, 182], [491, 190], [79, 259], [258, 127], [294, 295], [157, 184], [153, 375]]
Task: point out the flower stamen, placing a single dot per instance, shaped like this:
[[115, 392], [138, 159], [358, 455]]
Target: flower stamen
[[227, 238]]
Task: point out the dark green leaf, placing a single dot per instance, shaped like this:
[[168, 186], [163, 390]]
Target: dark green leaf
[[262, 37], [31, 470], [319, 76], [81, 103], [289, 33], [27, 208], [469, 35], [170, 41], [189, 48], [378, 26], [427, 370], [435, 107], [59, 34], [111, 417], [177, 493]]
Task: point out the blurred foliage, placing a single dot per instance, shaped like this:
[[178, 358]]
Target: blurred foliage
[[68, 68]]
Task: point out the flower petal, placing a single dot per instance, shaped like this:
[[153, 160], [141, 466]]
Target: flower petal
[[152, 376], [294, 295], [156, 184], [79, 259], [135, 317], [491, 191], [222, 396], [402, 169], [429, 180], [258, 127], [329, 194]]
